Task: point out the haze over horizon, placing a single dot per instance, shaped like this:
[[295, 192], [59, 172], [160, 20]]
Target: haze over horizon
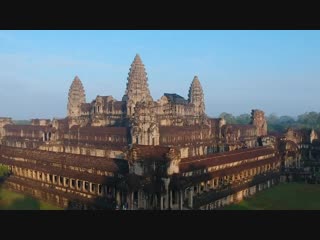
[[275, 71]]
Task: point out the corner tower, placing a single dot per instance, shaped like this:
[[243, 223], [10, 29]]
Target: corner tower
[[137, 87], [196, 96], [76, 98]]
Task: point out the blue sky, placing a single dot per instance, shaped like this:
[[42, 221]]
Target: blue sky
[[276, 71]]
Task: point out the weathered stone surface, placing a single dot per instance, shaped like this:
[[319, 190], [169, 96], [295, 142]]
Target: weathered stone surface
[[76, 98], [258, 120], [196, 96]]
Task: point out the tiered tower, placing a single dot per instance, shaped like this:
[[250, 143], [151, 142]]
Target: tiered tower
[[137, 87], [258, 120], [196, 96], [76, 98]]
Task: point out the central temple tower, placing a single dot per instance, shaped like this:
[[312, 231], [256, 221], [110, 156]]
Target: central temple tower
[[196, 96], [76, 97], [137, 87]]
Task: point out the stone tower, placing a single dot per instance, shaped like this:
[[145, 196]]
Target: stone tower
[[76, 98], [137, 87], [196, 96], [258, 120], [144, 125]]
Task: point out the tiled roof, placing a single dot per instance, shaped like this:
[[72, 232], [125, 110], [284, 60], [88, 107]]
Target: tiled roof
[[101, 163], [175, 98], [223, 157]]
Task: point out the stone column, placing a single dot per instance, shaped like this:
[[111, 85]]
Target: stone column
[[181, 200], [77, 184], [166, 184], [145, 200], [161, 202], [118, 197], [155, 201], [177, 197], [132, 200], [170, 206], [139, 199], [191, 197]]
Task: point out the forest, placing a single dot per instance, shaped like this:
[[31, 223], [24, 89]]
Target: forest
[[309, 120]]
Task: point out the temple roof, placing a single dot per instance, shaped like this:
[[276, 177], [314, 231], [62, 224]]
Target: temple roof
[[85, 107], [100, 130], [215, 159], [184, 130], [85, 161], [175, 98]]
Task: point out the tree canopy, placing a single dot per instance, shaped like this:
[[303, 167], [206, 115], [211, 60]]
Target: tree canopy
[[310, 120]]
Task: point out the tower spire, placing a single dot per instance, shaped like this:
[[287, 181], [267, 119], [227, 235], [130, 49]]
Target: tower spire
[[76, 97], [196, 96], [137, 86]]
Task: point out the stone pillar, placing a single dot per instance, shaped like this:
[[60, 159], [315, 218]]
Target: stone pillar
[[170, 206], [145, 200], [161, 202], [191, 198], [155, 201], [139, 205], [181, 200], [132, 200], [65, 182], [177, 197], [118, 200], [166, 184]]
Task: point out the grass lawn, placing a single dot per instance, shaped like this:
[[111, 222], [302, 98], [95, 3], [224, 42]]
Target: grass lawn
[[15, 201], [286, 196]]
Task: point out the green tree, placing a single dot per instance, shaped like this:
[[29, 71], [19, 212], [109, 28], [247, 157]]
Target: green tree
[[309, 120], [230, 119], [243, 119], [4, 171]]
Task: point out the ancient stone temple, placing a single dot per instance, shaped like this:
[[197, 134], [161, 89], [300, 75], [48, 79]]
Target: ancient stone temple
[[139, 153], [196, 96], [76, 98], [259, 121], [137, 87]]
